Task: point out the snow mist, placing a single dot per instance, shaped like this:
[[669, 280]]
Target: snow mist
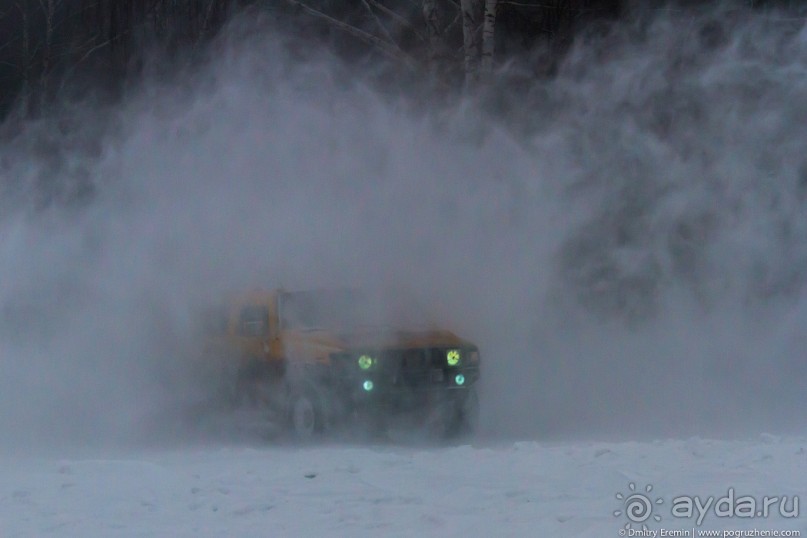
[[627, 245]]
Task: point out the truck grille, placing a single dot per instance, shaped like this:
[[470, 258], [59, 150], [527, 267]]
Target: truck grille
[[414, 367], [406, 368]]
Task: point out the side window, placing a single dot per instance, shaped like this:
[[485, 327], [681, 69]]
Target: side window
[[254, 321]]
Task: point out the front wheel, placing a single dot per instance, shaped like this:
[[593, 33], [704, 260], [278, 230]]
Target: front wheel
[[305, 417], [466, 416]]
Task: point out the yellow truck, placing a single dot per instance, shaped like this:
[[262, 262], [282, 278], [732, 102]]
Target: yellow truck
[[319, 360]]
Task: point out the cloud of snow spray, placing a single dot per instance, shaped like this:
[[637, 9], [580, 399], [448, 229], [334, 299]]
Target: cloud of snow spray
[[629, 251]]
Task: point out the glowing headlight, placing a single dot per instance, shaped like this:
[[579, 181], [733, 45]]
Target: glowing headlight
[[453, 357], [365, 362], [459, 379], [367, 385]]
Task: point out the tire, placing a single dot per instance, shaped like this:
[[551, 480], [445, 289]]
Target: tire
[[305, 417], [466, 416]]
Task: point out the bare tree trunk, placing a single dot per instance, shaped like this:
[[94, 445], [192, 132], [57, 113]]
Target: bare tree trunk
[[49, 11], [432, 19], [471, 19], [488, 38], [26, 59]]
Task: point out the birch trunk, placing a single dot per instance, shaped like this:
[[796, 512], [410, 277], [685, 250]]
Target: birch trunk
[[26, 60], [488, 38], [472, 11]]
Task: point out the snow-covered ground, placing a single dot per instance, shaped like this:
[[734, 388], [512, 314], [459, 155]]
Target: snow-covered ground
[[515, 489]]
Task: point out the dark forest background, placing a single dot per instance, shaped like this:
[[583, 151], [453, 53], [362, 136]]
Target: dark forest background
[[64, 48]]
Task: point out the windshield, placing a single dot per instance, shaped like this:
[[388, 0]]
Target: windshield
[[332, 309]]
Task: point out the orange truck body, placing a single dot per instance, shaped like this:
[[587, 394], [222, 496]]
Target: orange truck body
[[306, 345]]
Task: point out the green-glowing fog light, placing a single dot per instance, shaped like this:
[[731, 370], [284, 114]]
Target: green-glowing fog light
[[459, 379], [453, 357], [368, 385], [365, 362]]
